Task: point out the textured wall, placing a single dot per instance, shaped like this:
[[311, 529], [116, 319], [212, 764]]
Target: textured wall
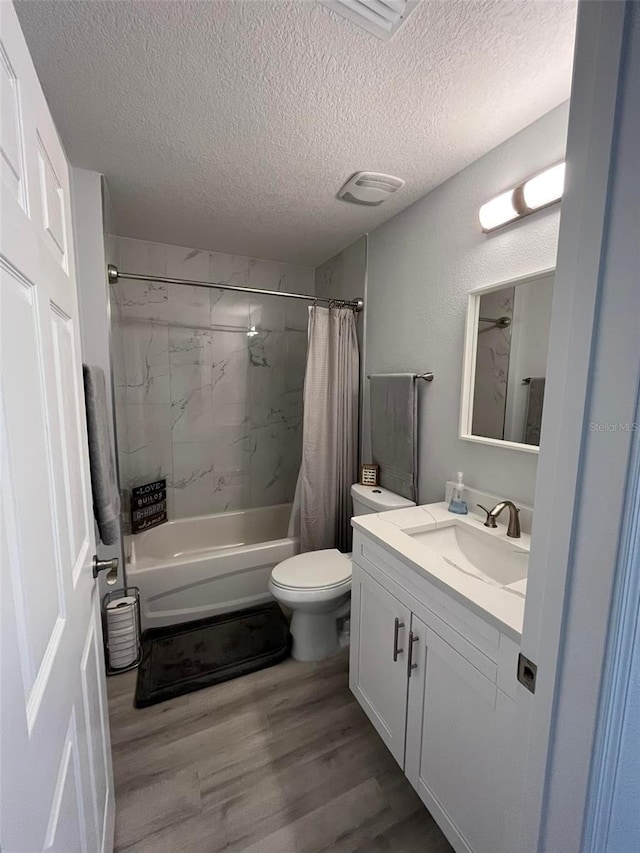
[[215, 410], [422, 264]]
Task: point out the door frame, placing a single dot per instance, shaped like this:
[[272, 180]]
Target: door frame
[[594, 372]]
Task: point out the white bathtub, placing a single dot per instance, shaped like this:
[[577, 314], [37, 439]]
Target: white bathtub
[[196, 567]]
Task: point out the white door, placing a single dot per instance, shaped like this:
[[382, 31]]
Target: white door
[[56, 790], [378, 663]]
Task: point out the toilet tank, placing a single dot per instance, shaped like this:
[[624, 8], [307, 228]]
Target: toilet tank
[[368, 499]]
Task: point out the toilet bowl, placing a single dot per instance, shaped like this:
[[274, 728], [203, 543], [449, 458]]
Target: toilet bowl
[[317, 587]]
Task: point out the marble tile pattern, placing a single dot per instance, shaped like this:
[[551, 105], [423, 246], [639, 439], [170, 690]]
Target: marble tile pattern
[[492, 365], [215, 410]]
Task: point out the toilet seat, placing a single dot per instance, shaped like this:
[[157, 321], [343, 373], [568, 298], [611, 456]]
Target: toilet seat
[[316, 570]]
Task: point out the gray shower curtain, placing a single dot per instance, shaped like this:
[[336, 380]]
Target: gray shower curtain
[[330, 430]]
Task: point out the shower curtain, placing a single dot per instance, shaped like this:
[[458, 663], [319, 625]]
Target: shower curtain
[[330, 430]]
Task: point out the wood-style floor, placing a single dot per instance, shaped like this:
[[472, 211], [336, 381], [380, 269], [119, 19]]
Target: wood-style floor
[[281, 761]]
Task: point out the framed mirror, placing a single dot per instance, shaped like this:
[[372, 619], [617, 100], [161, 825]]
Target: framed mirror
[[505, 362]]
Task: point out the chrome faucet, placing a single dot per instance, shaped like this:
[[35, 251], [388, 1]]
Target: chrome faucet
[[513, 530]]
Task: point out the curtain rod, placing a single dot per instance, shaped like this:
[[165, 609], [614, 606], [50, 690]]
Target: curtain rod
[[114, 274]]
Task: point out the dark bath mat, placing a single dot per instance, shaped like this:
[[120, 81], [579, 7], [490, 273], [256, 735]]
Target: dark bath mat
[[187, 657]]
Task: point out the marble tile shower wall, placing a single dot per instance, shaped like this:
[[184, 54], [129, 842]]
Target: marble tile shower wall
[[215, 410]]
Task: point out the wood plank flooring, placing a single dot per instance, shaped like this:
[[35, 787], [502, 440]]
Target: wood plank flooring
[[281, 761]]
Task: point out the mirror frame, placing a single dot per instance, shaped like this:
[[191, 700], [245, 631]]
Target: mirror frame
[[469, 361]]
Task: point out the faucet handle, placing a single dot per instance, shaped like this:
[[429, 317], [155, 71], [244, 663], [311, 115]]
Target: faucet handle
[[490, 520]]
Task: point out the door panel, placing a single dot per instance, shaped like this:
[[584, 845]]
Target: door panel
[[65, 828], [379, 682], [461, 773], [56, 788]]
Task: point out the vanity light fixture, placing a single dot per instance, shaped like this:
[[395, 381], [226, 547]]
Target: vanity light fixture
[[545, 188], [537, 192]]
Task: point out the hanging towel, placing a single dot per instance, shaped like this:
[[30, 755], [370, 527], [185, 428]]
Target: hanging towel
[[394, 440], [533, 417], [104, 483]]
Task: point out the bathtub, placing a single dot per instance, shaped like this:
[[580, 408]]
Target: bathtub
[[196, 567]]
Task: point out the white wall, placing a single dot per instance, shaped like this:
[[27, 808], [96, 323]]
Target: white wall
[[421, 265]]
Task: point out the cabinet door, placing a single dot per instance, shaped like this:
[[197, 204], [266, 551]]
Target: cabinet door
[[459, 726], [378, 662]]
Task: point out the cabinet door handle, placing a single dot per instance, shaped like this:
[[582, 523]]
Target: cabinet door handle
[[410, 665], [396, 628]]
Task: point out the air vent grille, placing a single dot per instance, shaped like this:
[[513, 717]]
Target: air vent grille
[[369, 187], [382, 18]]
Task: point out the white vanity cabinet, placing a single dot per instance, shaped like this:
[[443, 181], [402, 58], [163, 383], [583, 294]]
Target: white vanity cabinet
[[436, 692], [378, 669]]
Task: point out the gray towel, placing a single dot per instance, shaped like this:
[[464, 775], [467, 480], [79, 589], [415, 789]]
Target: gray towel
[[533, 417], [394, 443], [104, 484]]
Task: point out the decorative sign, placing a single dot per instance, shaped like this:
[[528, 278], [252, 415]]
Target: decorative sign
[[148, 506], [369, 475]]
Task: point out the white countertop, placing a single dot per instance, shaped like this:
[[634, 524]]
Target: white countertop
[[503, 606]]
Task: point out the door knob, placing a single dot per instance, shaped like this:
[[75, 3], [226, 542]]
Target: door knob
[[110, 566]]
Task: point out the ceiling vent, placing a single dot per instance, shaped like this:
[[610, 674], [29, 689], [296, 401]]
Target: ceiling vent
[[369, 188], [379, 17]]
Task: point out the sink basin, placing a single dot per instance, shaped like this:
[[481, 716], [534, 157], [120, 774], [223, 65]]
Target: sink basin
[[477, 553]]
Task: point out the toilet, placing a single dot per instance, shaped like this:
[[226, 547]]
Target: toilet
[[317, 586]]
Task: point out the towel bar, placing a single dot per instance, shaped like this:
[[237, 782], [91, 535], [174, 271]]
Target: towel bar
[[428, 376]]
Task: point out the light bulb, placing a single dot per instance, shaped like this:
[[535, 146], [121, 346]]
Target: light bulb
[[498, 211], [545, 188]]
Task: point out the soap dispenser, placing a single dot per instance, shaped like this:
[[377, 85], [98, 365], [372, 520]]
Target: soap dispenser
[[457, 503]]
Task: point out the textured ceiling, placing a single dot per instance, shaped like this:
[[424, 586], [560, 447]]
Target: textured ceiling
[[231, 125]]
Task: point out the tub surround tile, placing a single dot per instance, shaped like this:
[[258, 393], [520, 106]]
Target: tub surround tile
[[267, 314], [231, 449], [272, 275], [193, 478], [149, 452], [191, 403], [230, 269], [142, 257], [230, 491], [231, 414], [190, 346], [229, 311], [199, 401], [189, 307], [142, 300], [229, 372], [267, 390], [267, 349], [268, 453], [296, 314], [146, 352], [188, 263]]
